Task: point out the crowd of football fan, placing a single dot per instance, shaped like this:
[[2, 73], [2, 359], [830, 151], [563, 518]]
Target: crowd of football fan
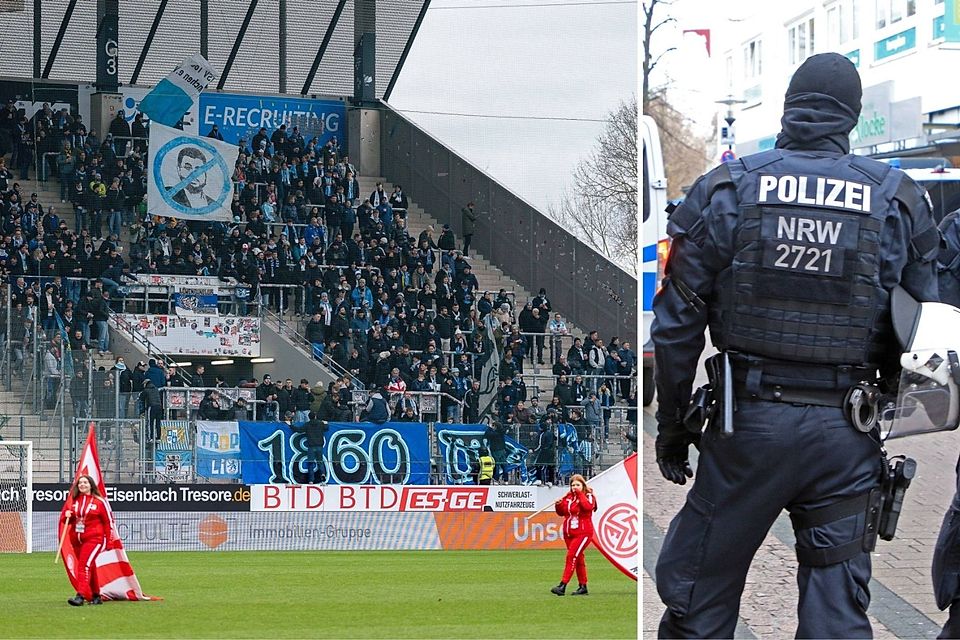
[[386, 307]]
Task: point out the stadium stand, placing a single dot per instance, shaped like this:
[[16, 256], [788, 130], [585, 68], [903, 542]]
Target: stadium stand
[[374, 290]]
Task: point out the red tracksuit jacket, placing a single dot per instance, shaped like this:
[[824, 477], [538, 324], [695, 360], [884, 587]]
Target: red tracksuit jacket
[[577, 511], [91, 512]]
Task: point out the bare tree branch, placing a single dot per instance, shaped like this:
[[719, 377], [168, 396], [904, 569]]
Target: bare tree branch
[[601, 208]]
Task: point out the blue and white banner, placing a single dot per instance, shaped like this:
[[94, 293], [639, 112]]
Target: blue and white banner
[[353, 453], [218, 450], [195, 304], [459, 447], [568, 448], [175, 95], [189, 177], [242, 116]]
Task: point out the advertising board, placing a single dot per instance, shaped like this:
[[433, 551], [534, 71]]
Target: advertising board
[[241, 116], [430, 498], [203, 517]]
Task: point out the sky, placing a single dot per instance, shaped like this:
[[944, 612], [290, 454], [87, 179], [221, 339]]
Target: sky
[[694, 84], [560, 66]]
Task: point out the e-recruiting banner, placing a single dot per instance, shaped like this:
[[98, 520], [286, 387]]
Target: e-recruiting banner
[[354, 453], [459, 446], [241, 116], [189, 177]]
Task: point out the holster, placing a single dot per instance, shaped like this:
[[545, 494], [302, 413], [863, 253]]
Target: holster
[[701, 409]]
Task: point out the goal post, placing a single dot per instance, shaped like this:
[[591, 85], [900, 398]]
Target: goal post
[[16, 496]]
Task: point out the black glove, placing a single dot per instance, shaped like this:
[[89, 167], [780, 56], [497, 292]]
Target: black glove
[[671, 447]]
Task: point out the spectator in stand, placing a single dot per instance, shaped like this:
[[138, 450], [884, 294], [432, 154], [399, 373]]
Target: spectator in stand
[[138, 130], [378, 196], [468, 225], [538, 322], [215, 133], [152, 407], [285, 397], [395, 383], [523, 415], [580, 389], [210, 408], [577, 357], [120, 132], [66, 165], [596, 361], [101, 314], [592, 413], [315, 430], [267, 394], [628, 363], [376, 409], [561, 368], [447, 241], [546, 453], [301, 401], [557, 328]]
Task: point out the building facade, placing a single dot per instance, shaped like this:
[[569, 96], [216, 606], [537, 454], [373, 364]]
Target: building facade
[[905, 51]]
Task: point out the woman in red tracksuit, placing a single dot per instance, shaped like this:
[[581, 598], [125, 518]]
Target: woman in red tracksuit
[[88, 534], [577, 509]]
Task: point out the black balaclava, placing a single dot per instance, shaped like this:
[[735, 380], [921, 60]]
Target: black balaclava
[[821, 105]]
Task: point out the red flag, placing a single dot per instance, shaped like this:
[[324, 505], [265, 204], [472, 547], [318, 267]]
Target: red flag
[[615, 529], [704, 33], [114, 573]]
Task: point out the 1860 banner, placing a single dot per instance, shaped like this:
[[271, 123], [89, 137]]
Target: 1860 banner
[[353, 453]]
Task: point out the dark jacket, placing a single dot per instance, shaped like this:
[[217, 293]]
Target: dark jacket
[[150, 397], [315, 430]]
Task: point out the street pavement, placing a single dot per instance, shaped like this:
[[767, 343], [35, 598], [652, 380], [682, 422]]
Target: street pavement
[[902, 604]]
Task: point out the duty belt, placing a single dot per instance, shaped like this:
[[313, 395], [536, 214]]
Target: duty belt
[[776, 393]]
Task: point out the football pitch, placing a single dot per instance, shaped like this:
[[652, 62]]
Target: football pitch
[[327, 594]]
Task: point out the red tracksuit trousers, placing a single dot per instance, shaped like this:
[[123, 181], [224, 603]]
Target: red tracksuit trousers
[[87, 584], [576, 546]]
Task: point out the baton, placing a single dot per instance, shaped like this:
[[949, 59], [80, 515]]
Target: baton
[[727, 397]]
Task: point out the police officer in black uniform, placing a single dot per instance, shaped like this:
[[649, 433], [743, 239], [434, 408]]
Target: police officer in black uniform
[[789, 256], [946, 554]]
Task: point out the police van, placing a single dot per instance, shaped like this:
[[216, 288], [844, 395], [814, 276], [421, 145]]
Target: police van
[[655, 241], [938, 177]]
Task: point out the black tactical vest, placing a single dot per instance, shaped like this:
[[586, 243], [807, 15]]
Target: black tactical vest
[[805, 281]]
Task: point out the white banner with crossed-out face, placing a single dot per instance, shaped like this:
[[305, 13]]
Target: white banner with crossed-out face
[[189, 177]]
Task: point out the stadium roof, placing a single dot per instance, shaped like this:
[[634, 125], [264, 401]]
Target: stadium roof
[[58, 41]]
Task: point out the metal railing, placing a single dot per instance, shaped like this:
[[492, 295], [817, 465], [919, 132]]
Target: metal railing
[[426, 404], [286, 328], [188, 399], [140, 339]]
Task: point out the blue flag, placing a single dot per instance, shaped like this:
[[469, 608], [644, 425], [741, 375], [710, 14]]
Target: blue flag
[[173, 96]]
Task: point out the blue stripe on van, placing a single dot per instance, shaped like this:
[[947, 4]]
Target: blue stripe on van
[[650, 253], [649, 288]]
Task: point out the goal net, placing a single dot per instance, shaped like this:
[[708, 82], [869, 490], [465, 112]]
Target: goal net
[[16, 496]]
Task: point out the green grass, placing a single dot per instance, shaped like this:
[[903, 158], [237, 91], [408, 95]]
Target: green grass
[[326, 594]]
